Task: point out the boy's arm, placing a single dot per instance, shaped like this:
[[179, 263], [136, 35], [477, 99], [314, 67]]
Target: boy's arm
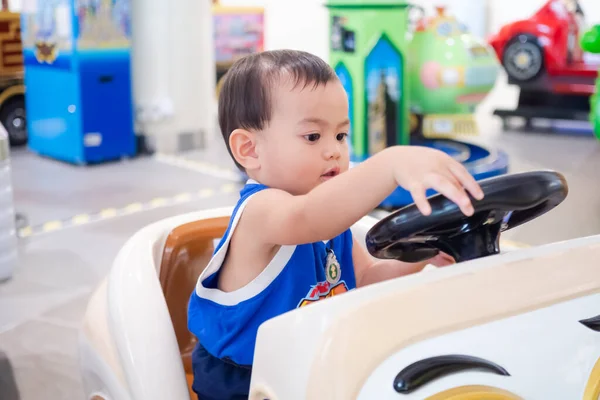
[[280, 218], [368, 269]]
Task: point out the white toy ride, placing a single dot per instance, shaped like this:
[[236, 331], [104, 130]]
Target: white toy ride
[[517, 325]]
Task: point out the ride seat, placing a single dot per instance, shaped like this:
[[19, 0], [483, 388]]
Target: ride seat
[[187, 251]]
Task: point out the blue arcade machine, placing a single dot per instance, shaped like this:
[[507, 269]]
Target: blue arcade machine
[[77, 73]]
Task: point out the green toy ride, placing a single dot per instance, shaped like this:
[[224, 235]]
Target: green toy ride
[[450, 73], [590, 42], [368, 43]]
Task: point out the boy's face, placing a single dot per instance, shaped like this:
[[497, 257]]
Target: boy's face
[[305, 143]]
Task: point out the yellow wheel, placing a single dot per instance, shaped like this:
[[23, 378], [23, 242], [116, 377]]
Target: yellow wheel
[[474, 392], [592, 389]]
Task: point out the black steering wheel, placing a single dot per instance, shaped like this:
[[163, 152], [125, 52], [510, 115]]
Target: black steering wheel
[[509, 201]]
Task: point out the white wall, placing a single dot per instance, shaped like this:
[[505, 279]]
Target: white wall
[[293, 24], [300, 25]]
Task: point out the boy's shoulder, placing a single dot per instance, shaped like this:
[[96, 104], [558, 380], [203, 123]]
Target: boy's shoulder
[[250, 189]]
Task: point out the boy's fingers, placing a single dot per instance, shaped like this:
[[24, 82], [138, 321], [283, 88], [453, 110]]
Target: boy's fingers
[[463, 200], [448, 257], [454, 181], [419, 198], [441, 261], [453, 192], [467, 180]]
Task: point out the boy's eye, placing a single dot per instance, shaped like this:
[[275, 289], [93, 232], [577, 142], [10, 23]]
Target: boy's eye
[[341, 136], [313, 137]]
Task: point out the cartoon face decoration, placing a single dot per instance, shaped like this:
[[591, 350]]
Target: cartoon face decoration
[[548, 353]]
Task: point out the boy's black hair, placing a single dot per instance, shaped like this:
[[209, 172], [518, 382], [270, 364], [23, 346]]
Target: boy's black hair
[[245, 95]]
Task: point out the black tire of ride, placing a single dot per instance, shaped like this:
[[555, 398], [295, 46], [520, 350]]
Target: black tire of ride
[[519, 40], [15, 103]]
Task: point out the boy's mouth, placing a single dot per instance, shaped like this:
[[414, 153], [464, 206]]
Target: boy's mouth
[[330, 173]]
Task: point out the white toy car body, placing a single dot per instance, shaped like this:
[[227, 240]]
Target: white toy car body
[[518, 325], [519, 313]]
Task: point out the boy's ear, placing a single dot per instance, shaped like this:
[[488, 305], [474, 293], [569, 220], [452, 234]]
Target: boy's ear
[[243, 147]]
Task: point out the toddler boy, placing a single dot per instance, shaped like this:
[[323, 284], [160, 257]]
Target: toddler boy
[[284, 117]]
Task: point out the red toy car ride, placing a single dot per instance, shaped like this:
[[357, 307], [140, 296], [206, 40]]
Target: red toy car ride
[[542, 53]]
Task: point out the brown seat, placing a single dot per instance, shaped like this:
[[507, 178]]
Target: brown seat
[[187, 251]]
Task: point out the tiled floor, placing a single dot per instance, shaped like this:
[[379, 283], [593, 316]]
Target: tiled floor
[[41, 307]]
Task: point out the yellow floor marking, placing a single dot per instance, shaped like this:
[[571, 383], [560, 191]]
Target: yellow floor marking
[[182, 197], [108, 213], [81, 219], [228, 188], [52, 226], [134, 207], [206, 193], [158, 202]]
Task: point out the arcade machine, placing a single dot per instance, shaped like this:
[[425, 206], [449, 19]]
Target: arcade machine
[[542, 56], [411, 96], [77, 73], [12, 88], [591, 42]]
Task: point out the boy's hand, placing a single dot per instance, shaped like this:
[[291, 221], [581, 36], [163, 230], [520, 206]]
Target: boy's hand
[[442, 260], [421, 168]]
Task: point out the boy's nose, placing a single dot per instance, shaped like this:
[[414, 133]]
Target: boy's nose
[[333, 152]]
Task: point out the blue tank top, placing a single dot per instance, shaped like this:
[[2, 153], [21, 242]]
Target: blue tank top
[[226, 324]]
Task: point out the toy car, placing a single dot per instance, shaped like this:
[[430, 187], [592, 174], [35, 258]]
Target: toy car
[[543, 57], [500, 326], [543, 51]]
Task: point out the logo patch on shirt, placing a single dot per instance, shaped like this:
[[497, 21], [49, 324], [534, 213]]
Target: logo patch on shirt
[[323, 290], [332, 268]]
